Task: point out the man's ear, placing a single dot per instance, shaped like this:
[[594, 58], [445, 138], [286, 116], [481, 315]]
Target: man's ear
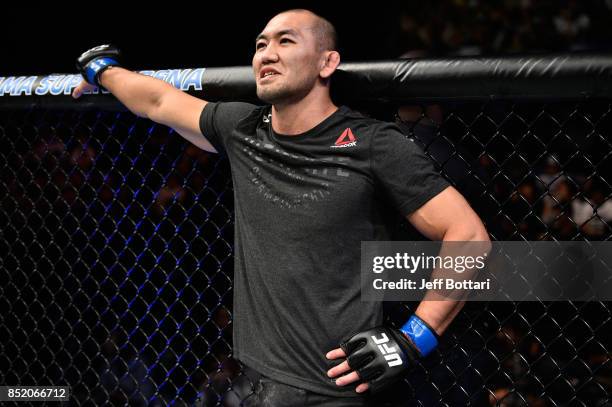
[[329, 64]]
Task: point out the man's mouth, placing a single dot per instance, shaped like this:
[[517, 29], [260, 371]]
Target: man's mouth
[[267, 72]]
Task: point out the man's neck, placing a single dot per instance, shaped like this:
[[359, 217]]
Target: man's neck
[[296, 118]]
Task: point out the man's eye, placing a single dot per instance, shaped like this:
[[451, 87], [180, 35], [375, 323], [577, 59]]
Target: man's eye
[[260, 45], [285, 40]]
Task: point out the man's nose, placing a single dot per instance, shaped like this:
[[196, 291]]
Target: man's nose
[[269, 55]]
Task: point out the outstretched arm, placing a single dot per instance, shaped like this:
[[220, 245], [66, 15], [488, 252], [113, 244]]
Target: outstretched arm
[[151, 98]]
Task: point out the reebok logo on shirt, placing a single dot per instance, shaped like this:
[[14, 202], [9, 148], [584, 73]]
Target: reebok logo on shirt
[[346, 139]]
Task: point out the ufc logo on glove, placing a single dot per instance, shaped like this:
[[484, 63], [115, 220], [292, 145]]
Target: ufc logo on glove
[[382, 355], [391, 356]]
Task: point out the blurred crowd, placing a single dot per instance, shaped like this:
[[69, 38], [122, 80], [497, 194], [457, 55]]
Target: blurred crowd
[[478, 27]]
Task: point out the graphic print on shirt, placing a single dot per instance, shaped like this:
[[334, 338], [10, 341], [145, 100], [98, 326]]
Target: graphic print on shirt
[[280, 188]]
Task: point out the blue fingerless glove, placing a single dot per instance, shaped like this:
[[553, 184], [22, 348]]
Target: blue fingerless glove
[[93, 62]]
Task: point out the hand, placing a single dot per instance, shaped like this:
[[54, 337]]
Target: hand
[[343, 368], [93, 62], [82, 88], [377, 357]]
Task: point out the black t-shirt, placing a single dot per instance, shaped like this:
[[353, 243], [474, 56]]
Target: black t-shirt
[[303, 205]]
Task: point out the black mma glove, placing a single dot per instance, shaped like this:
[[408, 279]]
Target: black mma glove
[[93, 62], [382, 355]]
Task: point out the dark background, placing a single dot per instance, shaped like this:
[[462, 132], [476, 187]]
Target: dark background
[[173, 36], [47, 39]]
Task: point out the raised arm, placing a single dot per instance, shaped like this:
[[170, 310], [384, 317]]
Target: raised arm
[[144, 96]]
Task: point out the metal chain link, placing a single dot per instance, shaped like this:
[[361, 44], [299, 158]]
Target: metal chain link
[[117, 245]]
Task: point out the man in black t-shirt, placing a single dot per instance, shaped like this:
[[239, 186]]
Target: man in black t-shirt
[[309, 178]]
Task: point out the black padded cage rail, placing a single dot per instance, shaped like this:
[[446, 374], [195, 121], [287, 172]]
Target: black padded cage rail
[[116, 234]]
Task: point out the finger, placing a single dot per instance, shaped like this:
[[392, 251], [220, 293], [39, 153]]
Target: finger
[[77, 91], [335, 354], [362, 387], [348, 379], [81, 88], [338, 370]]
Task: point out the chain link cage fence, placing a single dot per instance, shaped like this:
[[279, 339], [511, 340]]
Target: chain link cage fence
[[116, 266]]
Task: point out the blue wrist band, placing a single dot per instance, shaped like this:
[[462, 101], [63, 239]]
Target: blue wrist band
[[96, 66], [421, 335]]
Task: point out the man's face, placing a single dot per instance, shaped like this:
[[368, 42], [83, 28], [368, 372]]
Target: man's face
[[287, 58]]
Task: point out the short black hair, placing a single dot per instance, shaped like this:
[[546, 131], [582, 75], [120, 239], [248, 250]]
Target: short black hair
[[326, 34]]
